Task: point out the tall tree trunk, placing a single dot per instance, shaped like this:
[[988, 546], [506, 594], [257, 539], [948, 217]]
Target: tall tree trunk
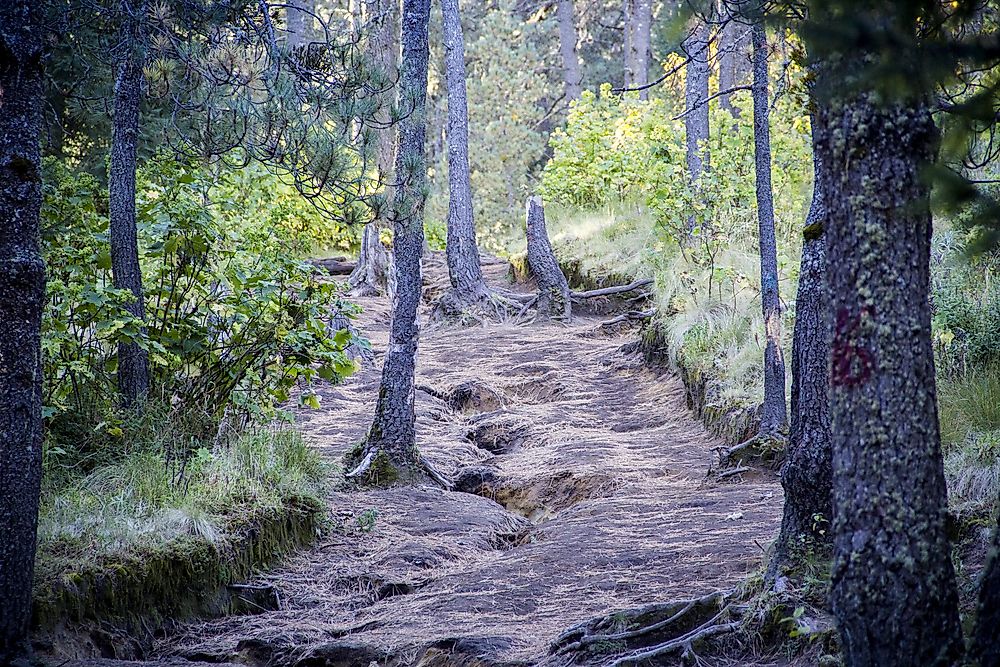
[[893, 586], [774, 421], [734, 59], [22, 293], [299, 22], [392, 435], [133, 361], [553, 289], [638, 17], [463, 253], [807, 474], [696, 94], [572, 77], [985, 649], [372, 275]]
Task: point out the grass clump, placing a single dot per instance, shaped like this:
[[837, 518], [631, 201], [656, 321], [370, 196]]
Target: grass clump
[[165, 499]]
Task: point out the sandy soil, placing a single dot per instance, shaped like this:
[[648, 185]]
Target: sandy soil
[[589, 486]]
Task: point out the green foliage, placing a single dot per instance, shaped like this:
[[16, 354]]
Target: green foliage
[[366, 520], [508, 103], [233, 316]]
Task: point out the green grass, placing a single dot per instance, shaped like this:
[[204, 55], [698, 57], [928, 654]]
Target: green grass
[[140, 502], [969, 413], [709, 312]]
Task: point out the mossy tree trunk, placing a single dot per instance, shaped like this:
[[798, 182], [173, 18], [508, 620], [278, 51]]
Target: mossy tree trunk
[[391, 441], [893, 586], [807, 473], [133, 360], [774, 420], [22, 294], [464, 266]]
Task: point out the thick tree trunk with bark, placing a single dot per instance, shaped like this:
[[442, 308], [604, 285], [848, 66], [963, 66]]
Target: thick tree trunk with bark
[[553, 289], [734, 61], [807, 474], [572, 77], [22, 293], [133, 361], [464, 268], [985, 649], [373, 273], [774, 420], [696, 92], [390, 447], [638, 18], [893, 585]]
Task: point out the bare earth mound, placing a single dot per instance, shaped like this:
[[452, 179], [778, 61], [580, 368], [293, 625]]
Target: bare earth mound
[[582, 493]]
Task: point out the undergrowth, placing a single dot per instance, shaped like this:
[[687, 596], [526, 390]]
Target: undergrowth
[[151, 492]]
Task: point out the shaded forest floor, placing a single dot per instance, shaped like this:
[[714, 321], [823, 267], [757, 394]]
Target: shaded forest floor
[[585, 493]]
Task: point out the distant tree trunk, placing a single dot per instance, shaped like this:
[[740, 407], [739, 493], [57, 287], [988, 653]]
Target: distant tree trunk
[[372, 274], [133, 361], [392, 436], [734, 60], [893, 586], [696, 92], [299, 22], [985, 649], [572, 78], [807, 474], [22, 293], [463, 253], [774, 420], [553, 290], [638, 17]]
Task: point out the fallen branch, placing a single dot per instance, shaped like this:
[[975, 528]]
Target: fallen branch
[[731, 473], [630, 316], [685, 642], [435, 474], [608, 291]]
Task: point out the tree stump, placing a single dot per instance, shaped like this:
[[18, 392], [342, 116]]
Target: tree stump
[[553, 290]]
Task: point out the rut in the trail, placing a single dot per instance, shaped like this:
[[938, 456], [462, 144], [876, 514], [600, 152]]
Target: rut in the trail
[[596, 468]]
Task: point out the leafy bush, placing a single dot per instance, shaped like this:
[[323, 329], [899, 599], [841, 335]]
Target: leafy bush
[[233, 318]]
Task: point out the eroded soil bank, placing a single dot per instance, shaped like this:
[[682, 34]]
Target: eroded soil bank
[[583, 491]]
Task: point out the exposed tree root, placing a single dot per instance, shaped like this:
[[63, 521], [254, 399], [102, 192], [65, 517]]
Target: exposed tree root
[[367, 465], [653, 631], [611, 291], [630, 316], [479, 306], [766, 449]]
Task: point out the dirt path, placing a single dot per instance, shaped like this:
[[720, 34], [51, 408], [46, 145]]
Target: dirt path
[[597, 469]]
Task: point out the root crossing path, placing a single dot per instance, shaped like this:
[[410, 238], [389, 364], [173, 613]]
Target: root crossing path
[[583, 492]]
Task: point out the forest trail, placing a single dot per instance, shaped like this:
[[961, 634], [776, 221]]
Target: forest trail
[[598, 474]]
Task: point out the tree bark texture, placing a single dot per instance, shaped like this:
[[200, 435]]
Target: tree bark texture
[[22, 294], [299, 22], [372, 275], [572, 76], [807, 474], [985, 648], [553, 289], [392, 431], [464, 267], [696, 93], [774, 419], [638, 19], [893, 586], [133, 361], [734, 60]]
